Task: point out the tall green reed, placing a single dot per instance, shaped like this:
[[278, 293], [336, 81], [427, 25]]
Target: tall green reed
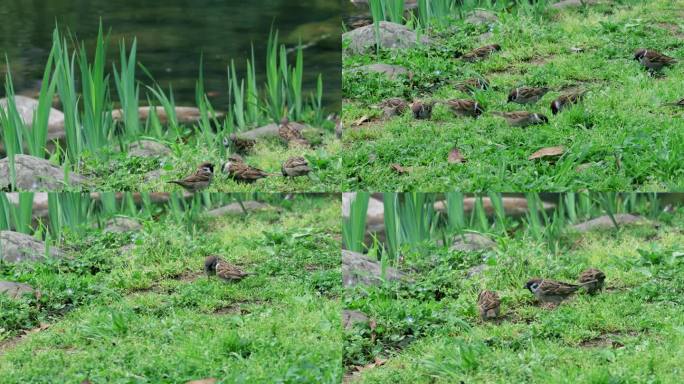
[[354, 227]]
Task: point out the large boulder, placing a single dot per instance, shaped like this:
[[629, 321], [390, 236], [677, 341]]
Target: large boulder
[[122, 224], [26, 107], [604, 222], [480, 16], [351, 318], [184, 115], [471, 242], [513, 206], [392, 36], [358, 269], [236, 209], [36, 174], [15, 290], [18, 247], [148, 148], [391, 71]]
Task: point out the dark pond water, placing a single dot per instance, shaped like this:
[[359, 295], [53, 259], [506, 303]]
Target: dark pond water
[[173, 34]]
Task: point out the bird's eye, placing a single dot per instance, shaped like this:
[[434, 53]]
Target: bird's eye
[[535, 286]]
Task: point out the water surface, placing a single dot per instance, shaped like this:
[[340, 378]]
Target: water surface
[[173, 34]]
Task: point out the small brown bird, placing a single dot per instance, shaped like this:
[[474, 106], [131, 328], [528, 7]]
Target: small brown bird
[[522, 118], [652, 59], [565, 100], [289, 131], [240, 171], [198, 180], [240, 144], [473, 84], [216, 266], [465, 108], [481, 53], [551, 291], [593, 280], [527, 95], [488, 302], [679, 103], [393, 107], [295, 167], [422, 110]]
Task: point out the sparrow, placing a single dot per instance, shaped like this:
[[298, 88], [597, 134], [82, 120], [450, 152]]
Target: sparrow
[[679, 103], [488, 302], [522, 118], [473, 84], [465, 108], [240, 144], [481, 53], [551, 291], [216, 266], [593, 278], [566, 99], [422, 110], [240, 171], [198, 180], [290, 132], [653, 60], [527, 95], [393, 107], [295, 166]]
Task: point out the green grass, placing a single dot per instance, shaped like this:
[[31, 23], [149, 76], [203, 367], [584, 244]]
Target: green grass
[[152, 316], [430, 331], [621, 129]]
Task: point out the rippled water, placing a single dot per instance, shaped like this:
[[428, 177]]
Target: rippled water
[[173, 34]]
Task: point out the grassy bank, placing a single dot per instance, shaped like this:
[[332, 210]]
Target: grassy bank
[[620, 137], [149, 314], [429, 331], [105, 117]]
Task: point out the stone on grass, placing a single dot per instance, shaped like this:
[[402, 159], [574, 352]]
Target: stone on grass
[[122, 224], [392, 36], [573, 3], [358, 269], [476, 270], [236, 209], [470, 242], [391, 71], [351, 318], [184, 115], [18, 247], [15, 290], [148, 148], [26, 107], [604, 222], [480, 16], [36, 174], [513, 206]]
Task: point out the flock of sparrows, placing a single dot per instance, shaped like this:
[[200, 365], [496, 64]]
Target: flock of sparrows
[[547, 292], [651, 59], [237, 169]]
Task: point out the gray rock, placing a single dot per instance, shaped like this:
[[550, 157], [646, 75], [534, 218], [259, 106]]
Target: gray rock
[[184, 115], [391, 71], [513, 206], [604, 222], [18, 247], [40, 203], [153, 175], [148, 148], [470, 242], [122, 224], [15, 290], [236, 209], [573, 3], [26, 107], [358, 269], [392, 36], [351, 318], [476, 270], [480, 16], [35, 174]]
